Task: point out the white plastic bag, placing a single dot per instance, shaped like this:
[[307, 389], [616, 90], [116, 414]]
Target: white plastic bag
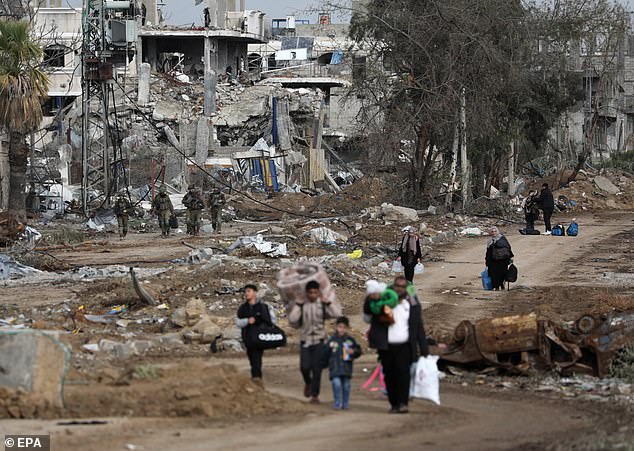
[[426, 382], [419, 269], [396, 266]]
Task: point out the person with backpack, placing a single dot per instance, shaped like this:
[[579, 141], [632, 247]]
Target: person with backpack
[[309, 317], [251, 314], [547, 204], [339, 353], [498, 258]]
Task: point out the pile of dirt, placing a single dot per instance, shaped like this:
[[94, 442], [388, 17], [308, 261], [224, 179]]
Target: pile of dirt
[[20, 404], [189, 389]]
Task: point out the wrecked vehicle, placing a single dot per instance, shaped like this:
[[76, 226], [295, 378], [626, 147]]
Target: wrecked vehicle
[[520, 344]]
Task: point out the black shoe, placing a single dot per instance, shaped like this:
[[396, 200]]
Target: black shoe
[[403, 409], [394, 410], [307, 391]]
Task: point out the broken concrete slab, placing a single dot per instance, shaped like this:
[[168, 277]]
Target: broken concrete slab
[[391, 212], [165, 110], [35, 362], [604, 184]]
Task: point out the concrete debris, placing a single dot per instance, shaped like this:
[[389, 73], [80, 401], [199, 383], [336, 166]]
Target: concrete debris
[[324, 235], [34, 362], [604, 184], [200, 255], [194, 311], [258, 242], [472, 231], [391, 212]]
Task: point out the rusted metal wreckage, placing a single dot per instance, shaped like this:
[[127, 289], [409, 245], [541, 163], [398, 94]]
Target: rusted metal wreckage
[[521, 344]]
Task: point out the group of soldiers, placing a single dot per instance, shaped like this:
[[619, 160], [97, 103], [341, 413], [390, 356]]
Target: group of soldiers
[[195, 204], [162, 206]]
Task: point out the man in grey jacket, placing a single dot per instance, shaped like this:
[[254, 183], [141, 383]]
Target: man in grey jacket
[[309, 317]]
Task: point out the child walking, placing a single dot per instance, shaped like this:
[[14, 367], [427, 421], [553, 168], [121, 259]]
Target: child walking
[[340, 351]]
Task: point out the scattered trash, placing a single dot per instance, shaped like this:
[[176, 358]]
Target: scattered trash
[[267, 248], [324, 235], [10, 269], [356, 254], [472, 231]]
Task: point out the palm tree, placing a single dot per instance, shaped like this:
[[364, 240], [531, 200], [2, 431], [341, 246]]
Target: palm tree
[[22, 88]]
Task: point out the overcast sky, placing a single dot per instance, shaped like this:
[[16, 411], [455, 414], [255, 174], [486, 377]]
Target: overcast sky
[[183, 11]]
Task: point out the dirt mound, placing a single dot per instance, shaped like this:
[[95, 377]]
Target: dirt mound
[[190, 389], [20, 404]]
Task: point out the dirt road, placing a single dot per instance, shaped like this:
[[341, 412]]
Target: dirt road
[[451, 288], [469, 418], [466, 420]]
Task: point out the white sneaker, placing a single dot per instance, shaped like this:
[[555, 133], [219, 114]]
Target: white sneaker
[[548, 233]]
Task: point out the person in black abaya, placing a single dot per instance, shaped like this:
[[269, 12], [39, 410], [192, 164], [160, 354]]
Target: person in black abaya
[[410, 254], [498, 258]]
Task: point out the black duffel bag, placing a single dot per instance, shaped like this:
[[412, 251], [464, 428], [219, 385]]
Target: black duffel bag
[[173, 222], [265, 336]]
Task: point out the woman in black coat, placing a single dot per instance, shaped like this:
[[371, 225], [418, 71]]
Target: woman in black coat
[[498, 258], [410, 254]]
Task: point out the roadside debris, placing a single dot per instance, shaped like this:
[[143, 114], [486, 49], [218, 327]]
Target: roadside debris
[[258, 242], [140, 291], [10, 269], [324, 235], [33, 365], [521, 344]]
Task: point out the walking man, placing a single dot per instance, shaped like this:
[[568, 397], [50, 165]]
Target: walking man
[[195, 204], [251, 314], [162, 206], [547, 203], [309, 317], [216, 203], [122, 209], [399, 341]]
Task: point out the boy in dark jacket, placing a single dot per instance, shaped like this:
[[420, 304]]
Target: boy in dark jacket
[[339, 353], [250, 314]]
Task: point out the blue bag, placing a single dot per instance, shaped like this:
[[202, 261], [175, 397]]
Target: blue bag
[[573, 229], [487, 283], [558, 230]]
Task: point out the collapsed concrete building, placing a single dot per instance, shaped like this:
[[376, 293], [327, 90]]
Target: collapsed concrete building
[[184, 98]]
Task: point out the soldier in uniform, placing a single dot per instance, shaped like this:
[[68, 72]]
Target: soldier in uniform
[[162, 206], [216, 202], [122, 208], [195, 204]]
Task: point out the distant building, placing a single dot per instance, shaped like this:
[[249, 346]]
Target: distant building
[[222, 42], [605, 118]]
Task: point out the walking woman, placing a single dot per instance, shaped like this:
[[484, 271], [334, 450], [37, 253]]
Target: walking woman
[[498, 257], [410, 254]]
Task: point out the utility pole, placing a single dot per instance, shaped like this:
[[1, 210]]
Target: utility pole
[[106, 41], [464, 156]]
